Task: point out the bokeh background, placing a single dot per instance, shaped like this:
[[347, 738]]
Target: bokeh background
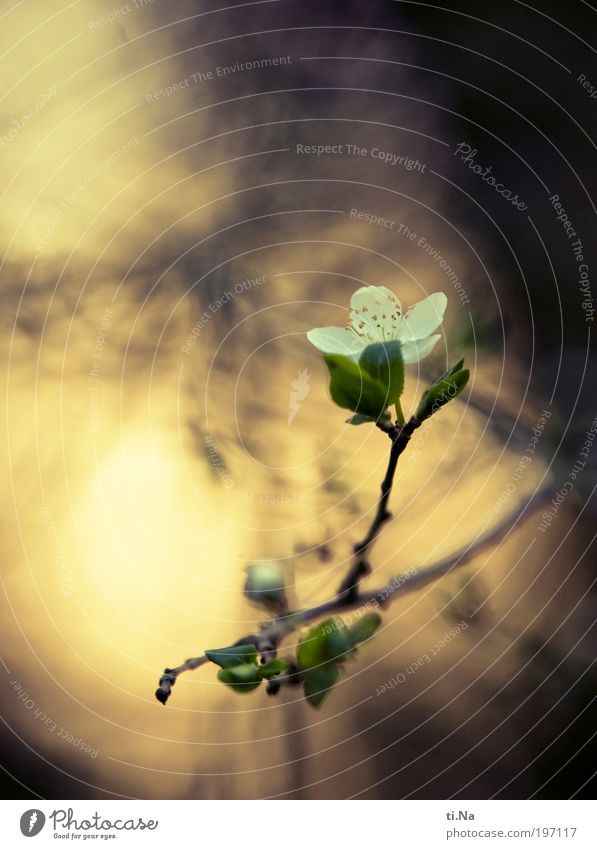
[[152, 186]]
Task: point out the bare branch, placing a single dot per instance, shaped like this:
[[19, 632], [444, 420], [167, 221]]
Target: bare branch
[[360, 567], [168, 679]]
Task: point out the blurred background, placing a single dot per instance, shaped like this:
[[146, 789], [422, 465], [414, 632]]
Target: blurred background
[[171, 227]]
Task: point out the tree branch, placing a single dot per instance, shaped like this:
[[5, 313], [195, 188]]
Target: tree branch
[[400, 436], [169, 677], [272, 634]]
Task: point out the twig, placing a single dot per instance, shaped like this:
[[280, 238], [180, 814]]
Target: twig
[[274, 633], [400, 437], [169, 677]]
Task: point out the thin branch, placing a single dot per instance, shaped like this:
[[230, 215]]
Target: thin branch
[[400, 437], [169, 677], [272, 634]]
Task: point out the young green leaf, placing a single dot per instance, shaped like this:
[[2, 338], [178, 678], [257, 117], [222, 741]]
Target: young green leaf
[[327, 641], [242, 678], [353, 388], [440, 393], [233, 655], [358, 419], [364, 628], [275, 666], [456, 367], [319, 682], [383, 362]]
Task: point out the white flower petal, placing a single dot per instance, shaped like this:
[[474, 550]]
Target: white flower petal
[[335, 340], [423, 318], [413, 352], [375, 313]]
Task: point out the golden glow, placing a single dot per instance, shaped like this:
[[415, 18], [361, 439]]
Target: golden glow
[[125, 543]]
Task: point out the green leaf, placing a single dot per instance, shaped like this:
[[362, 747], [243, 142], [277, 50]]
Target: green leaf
[[452, 370], [273, 667], [242, 678], [327, 641], [383, 362], [358, 419], [353, 388], [442, 391], [319, 682], [233, 655], [364, 628]]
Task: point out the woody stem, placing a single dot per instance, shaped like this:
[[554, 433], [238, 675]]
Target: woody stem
[[400, 436]]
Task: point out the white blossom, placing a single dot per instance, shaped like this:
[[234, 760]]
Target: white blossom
[[376, 316]]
